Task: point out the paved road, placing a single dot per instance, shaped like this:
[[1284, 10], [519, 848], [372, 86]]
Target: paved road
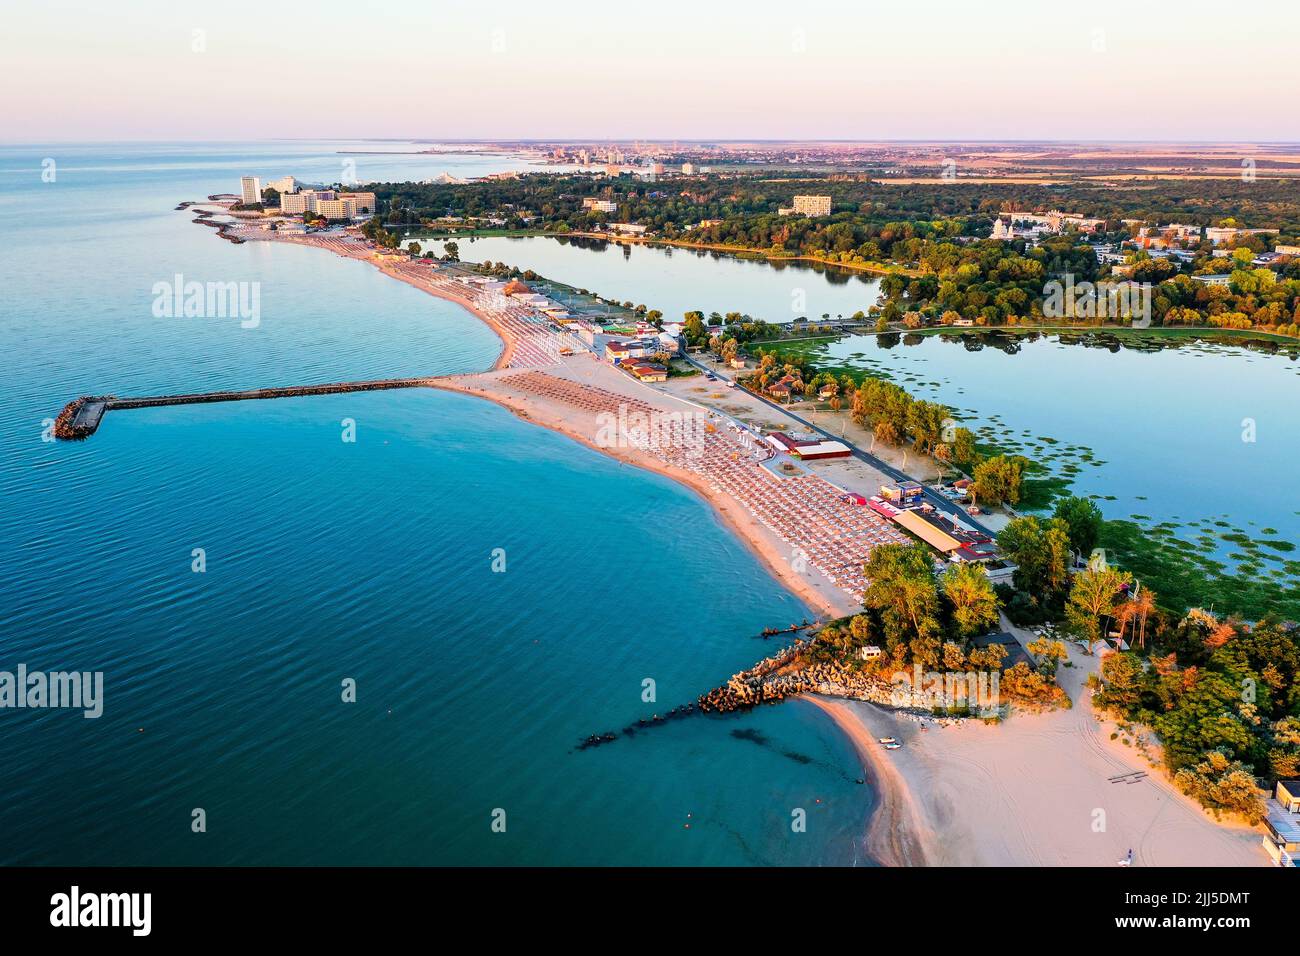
[[939, 501]]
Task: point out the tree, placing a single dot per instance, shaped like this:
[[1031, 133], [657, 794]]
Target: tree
[[1267, 654], [1041, 553], [693, 328], [925, 422], [901, 586], [1124, 681], [1284, 755], [1203, 712], [974, 602], [860, 627], [989, 658], [886, 433], [452, 251], [1092, 599], [1019, 681], [954, 658], [1223, 785], [1143, 603], [1050, 654], [1083, 518], [1125, 614], [998, 479], [963, 446]]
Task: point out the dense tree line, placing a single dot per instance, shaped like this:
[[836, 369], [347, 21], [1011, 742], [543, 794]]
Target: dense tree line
[[933, 232], [679, 203], [1222, 695], [920, 617], [894, 416], [1255, 298]]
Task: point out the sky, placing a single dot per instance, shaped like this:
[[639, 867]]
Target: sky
[[705, 69]]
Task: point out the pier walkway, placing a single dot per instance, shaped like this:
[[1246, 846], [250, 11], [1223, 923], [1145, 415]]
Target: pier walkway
[[81, 417]]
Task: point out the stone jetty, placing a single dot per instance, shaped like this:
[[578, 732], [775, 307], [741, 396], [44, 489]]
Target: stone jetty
[[204, 218], [790, 673]]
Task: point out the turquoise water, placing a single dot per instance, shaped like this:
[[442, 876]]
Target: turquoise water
[[676, 281], [369, 560]]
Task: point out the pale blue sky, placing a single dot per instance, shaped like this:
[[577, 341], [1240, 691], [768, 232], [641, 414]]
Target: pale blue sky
[[932, 69]]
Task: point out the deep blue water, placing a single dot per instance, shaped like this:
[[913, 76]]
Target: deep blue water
[[369, 560]]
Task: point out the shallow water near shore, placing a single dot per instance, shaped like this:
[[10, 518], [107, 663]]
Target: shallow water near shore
[[370, 560]]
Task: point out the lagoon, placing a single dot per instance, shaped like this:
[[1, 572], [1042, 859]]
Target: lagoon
[[676, 280], [1196, 440]]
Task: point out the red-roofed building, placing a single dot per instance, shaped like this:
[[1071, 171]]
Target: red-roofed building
[[647, 371], [808, 450]]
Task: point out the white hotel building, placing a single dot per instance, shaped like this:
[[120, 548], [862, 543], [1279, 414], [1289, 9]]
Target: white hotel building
[[812, 205], [328, 203]]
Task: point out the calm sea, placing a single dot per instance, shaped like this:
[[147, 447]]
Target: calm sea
[[329, 560]]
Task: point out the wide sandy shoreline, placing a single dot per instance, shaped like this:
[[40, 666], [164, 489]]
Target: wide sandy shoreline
[[1028, 792], [485, 385], [1038, 789], [745, 528]]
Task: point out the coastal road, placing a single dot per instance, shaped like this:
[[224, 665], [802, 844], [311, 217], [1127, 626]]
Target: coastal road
[[939, 501]]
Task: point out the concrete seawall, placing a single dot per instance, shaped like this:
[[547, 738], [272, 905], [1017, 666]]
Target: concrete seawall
[[82, 416]]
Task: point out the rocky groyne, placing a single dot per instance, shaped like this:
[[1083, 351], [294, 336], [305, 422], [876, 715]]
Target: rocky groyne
[[204, 218], [789, 673], [80, 417]]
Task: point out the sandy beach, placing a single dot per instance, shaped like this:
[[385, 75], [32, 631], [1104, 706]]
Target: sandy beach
[[819, 594], [530, 346], [1050, 789]]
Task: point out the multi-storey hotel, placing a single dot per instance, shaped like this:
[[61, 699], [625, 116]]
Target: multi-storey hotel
[[812, 205], [328, 203]]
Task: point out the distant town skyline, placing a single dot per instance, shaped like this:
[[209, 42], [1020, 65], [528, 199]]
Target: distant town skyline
[[843, 71]]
